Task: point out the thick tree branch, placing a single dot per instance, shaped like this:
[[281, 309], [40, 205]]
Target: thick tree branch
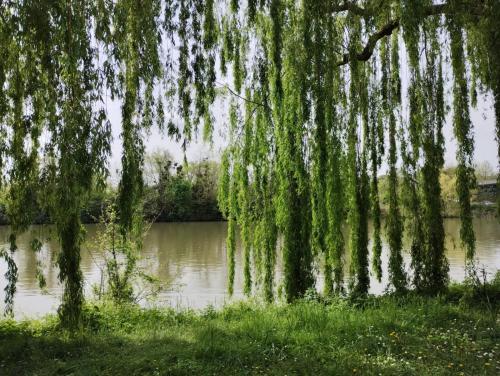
[[386, 30], [371, 44]]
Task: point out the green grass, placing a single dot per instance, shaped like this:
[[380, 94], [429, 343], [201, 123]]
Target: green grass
[[387, 336]]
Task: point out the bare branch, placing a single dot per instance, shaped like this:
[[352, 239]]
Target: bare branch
[[225, 86]]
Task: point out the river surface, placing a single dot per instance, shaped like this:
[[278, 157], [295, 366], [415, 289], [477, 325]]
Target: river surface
[[190, 259]]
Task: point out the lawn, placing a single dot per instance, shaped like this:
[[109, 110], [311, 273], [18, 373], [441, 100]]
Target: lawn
[[387, 335]]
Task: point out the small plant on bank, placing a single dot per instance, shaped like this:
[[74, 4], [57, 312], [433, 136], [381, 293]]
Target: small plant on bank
[[123, 280], [478, 290]]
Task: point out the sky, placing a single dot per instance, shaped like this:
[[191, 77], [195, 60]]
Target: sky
[[482, 117]]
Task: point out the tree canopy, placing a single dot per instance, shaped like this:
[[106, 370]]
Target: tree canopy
[[317, 107]]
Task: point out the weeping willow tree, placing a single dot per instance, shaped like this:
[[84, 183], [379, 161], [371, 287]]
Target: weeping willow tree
[[56, 132], [317, 99], [335, 97]]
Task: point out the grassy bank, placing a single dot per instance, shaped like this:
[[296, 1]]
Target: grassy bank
[[388, 336]]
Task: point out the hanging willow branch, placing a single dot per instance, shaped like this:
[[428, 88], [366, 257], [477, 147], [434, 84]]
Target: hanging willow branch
[[303, 160], [462, 127]]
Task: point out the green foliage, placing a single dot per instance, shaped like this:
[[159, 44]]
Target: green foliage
[[462, 127], [123, 280], [389, 336], [179, 194], [375, 159], [11, 275], [299, 160], [175, 192], [432, 270], [394, 222], [323, 142], [120, 259]]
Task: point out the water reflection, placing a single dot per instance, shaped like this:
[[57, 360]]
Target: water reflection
[[191, 257]]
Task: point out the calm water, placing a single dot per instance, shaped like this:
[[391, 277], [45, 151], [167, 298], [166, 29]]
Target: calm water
[[191, 257]]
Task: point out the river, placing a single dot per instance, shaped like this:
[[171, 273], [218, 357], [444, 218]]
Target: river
[[190, 259]]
